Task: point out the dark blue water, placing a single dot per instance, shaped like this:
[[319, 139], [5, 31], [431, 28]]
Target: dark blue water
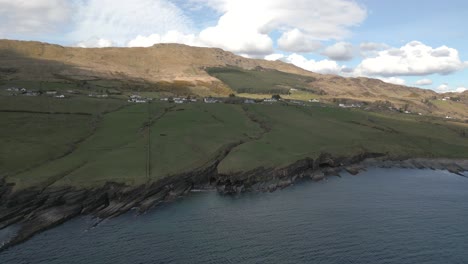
[[381, 216]]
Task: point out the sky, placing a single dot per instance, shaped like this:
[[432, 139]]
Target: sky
[[415, 43]]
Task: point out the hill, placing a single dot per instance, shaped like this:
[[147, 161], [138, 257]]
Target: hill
[[183, 70]]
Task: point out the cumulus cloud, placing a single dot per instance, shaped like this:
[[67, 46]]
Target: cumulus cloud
[[461, 89], [239, 40], [341, 51], [123, 20], [443, 88], [413, 59], [424, 82], [32, 16], [296, 41], [244, 25], [323, 66]]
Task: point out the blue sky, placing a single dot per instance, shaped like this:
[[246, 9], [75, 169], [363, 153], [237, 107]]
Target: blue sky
[[416, 43]]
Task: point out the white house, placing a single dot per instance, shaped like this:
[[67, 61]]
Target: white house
[[136, 100], [209, 100], [32, 93]]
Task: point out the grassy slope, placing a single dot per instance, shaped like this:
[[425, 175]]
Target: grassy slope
[[183, 140], [299, 132], [28, 140], [260, 81], [115, 145], [184, 137]]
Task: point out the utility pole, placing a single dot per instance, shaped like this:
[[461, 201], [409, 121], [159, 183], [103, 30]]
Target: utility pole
[[148, 154]]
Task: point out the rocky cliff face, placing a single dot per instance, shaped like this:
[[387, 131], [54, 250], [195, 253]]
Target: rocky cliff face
[[36, 210]]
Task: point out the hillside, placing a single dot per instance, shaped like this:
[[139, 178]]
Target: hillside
[[183, 70]]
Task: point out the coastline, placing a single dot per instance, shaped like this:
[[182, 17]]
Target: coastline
[[36, 210]]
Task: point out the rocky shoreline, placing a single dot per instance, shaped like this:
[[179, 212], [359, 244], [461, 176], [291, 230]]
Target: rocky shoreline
[[36, 210]]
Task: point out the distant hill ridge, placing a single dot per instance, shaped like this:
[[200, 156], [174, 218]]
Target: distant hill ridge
[[170, 63]]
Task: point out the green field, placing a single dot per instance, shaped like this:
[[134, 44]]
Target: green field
[[300, 132], [29, 140], [261, 81], [86, 142]]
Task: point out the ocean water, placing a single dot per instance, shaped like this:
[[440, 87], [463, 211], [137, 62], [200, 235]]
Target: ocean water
[[380, 216]]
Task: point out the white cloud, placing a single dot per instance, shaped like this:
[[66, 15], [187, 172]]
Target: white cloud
[[423, 82], [237, 39], [245, 25], [274, 57], [95, 43], [443, 88], [33, 16], [341, 51], [323, 66], [393, 80], [413, 59], [170, 37], [461, 89], [296, 41], [123, 20]]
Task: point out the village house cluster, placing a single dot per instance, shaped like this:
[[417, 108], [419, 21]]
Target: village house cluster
[[214, 100], [25, 92], [138, 99], [350, 105], [179, 100], [98, 95]]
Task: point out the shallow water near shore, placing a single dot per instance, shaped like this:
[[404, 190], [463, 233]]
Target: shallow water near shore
[[379, 216]]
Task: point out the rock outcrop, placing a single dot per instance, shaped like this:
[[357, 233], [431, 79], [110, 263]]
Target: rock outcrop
[[38, 210]]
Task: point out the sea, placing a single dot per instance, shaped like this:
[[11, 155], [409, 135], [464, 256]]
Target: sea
[[379, 216]]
